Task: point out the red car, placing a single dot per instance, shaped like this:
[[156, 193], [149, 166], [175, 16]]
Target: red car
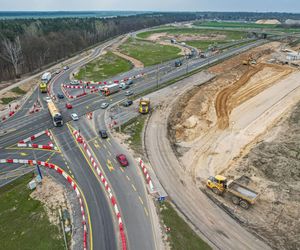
[[122, 160], [69, 105]]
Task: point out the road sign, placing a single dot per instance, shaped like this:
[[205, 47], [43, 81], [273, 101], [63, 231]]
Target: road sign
[[161, 198]]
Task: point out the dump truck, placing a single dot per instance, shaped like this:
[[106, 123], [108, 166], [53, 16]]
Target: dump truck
[[249, 61], [240, 194], [43, 87], [144, 105], [110, 89]]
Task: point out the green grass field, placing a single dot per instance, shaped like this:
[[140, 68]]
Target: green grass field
[[105, 67], [203, 45], [134, 128], [149, 53], [23, 222], [18, 91], [7, 100], [230, 34], [181, 235], [234, 25]]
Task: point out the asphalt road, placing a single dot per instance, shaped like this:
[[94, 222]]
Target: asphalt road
[[127, 184]]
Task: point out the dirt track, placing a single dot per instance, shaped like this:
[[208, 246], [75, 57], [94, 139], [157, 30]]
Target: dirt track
[[233, 96]]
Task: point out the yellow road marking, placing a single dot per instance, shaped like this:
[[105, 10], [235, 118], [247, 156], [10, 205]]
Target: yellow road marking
[[90, 223], [37, 149], [87, 107], [127, 177], [110, 166], [141, 200], [134, 188], [23, 154], [122, 169], [96, 144], [50, 156]]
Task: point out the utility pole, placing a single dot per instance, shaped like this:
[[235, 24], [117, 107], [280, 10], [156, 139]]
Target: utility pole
[[157, 76], [37, 166], [187, 66]]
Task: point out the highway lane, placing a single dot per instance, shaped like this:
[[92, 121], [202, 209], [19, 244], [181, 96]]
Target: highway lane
[[127, 183], [103, 228], [92, 101]]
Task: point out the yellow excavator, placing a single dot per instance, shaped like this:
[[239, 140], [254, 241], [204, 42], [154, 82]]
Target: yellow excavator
[[240, 194], [249, 61]]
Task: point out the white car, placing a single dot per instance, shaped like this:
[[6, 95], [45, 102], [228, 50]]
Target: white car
[[74, 117], [74, 82], [66, 67], [104, 105], [48, 99]]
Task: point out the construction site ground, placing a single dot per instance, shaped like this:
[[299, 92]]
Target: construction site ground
[[235, 125]]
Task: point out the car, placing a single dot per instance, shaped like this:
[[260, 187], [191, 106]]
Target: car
[[74, 117], [104, 105], [129, 92], [129, 82], [122, 160], [57, 71], [69, 105], [66, 67], [103, 133], [48, 99], [127, 103], [74, 82], [60, 96]]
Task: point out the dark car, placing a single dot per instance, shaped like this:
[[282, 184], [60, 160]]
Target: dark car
[[60, 96], [122, 160], [127, 103], [103, 134]]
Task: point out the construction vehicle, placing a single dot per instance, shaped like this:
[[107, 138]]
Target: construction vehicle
[[144, 105], [240, 194], [110, 89], [249, 61], [43, 87]]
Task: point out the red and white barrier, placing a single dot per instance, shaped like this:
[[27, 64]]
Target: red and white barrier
[[67, 177], [78, 87], [11, 113], [24, 143], [93, 90], [146, 174], [112, 198], [115, 81]]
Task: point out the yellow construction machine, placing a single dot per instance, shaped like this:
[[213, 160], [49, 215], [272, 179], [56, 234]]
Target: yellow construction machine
[[240, 194], [249, 61], [144, 105]]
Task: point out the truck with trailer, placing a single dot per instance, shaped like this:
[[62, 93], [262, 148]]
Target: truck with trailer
[[240, 194], [46, 77], [110, 89], [55, 114]]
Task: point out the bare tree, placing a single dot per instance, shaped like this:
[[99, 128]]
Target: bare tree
[[13, 53]]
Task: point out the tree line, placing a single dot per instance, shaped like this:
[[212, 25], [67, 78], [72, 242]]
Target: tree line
[[26, 45]]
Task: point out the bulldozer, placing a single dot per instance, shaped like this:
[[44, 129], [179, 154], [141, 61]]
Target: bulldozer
[[240, 194], [249, 61]]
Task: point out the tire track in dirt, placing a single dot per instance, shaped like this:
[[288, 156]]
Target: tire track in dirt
[[234, 95]]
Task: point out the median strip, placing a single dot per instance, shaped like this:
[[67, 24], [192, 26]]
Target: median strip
[[112, 198]]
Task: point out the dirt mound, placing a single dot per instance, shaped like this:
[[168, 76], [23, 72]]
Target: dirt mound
[[184, 37], [274, 165], [53, 196], [268, 21]]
